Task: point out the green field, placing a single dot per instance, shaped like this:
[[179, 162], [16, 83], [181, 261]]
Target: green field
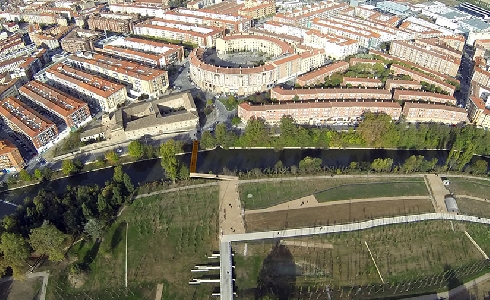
[[168, 234], [266, 194], [374, 190], [402, 253], [469, 187]]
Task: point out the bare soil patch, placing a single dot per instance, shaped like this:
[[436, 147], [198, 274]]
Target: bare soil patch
[[334, 214]]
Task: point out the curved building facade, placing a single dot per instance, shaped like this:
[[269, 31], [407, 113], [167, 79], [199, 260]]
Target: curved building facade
[[246, 81]]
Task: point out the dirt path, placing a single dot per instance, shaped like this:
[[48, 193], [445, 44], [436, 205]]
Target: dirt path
[[230, 208], [310, 201], [307, 244], [438, 191], [471, 198]]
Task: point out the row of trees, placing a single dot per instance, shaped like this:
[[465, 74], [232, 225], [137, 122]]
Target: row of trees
[[412, 164], [376, 130]]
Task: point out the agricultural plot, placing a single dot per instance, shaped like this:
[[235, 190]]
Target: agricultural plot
[[334, 214], [258, 195], [412, 259], [469, 187], [167, 235], [473, 207]]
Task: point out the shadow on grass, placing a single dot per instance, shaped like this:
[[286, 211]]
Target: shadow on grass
[[277, 278], [89, 257], [117, 236]]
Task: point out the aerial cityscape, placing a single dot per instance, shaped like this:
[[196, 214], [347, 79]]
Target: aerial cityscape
[[244, 149]]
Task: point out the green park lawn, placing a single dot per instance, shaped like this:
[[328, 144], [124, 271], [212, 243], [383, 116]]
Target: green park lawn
[[469, 187], [168, 234], [266, 194], [374, 190]]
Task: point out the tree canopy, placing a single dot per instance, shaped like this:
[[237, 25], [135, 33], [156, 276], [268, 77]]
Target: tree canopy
[[48, 240]]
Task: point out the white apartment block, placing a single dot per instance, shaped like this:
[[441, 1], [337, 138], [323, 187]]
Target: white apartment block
[[304, 16], [232, 23], [142, 9], [283, 28], [98, 92], [386, 33], [140, 79], [155, 54], [366, 38], [335, 46], [200, 35]]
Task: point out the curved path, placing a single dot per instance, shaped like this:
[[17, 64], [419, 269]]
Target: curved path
[[288, 233]]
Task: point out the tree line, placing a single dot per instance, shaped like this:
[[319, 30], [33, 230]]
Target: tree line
[[375, 131]]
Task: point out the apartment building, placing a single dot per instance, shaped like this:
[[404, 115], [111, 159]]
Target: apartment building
[[140, 79], [418, 76], [427, 57], [72, 111], [281, 94], [79, 40], [335, 46], [419, 28], [319, 75], [28, 124], [423, 112], [407, 95], [112, 22], [253, 43], [362, 82], [49, 38], [376, 17], [305, 15], [249, 9], [232, 23], [391, 84], [432, 73], [147, 52], [439, 45], [10, 158], [143, 9], [317, 112], [290, 39], [101, 94], [203, 36], [257, 9], [478, 114], [481, 76], [365, 38], [385, 33], [40, 18], [11, 44]]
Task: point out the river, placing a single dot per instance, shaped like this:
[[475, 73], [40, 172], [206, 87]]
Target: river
[[215, 161]]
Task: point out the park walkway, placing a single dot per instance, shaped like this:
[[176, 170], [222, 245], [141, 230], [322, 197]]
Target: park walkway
[[230, 208], [438, 192]]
